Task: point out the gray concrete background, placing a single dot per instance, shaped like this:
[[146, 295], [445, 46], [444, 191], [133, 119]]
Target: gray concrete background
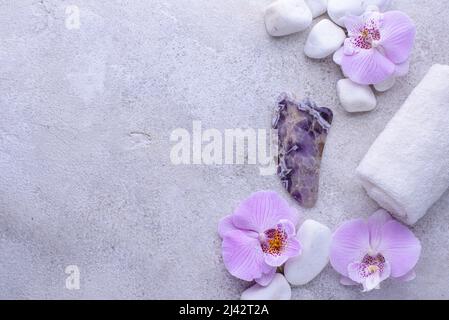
[[85, 120]]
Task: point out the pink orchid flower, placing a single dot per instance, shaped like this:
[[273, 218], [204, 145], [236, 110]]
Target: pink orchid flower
[[259, 237], [368, 252], [378, 46]]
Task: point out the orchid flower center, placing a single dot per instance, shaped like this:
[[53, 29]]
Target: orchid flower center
[[368, 37], [274, 241], [372, 264], [372, 269]]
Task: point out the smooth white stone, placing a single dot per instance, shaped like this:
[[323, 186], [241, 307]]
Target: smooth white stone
[[285, 17], [355, 97], [385, 85], [338, 56], [315, 239], [278, 289], [371, 8], [324, 39], [318, 7], [337, 9], [382, 5]]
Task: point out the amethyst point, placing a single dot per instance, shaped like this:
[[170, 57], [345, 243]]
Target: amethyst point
[[302, 132]]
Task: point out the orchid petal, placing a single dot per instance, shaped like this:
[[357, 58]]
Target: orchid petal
[[397, 36], [367, 67], [354, 24], [355, 272], [349, 49], [408, 277], [266, 278], [225, 225], [347, 281], [292, 249], [288, 227], [371, 282], [242, 255], [262, 211], [375, 224], [402, 69], [386, 272], [350, 243], [275, 260], [400, 248], [358, 273]]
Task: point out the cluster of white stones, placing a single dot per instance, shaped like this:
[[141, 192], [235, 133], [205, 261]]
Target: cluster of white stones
[[284, 17]]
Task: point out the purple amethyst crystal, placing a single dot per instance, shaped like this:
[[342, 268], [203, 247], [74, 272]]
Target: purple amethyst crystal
[[302, 132]]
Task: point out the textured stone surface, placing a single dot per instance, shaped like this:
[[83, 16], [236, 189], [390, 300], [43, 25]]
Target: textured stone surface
[[302, 131], [85, 121]]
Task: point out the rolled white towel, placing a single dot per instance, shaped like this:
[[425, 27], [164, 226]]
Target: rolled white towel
[[406, 170]]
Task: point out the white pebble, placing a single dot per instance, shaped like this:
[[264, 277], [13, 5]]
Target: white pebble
[[315, 239], [385, 85], [318, 7], [337, 9], [355, 97], [278, 289], [338, 56], [324, 39], [382, 5], [285, 17]]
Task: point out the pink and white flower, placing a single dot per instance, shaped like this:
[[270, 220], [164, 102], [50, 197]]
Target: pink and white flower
[[368, 252], [378, 46], [259, 237]]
